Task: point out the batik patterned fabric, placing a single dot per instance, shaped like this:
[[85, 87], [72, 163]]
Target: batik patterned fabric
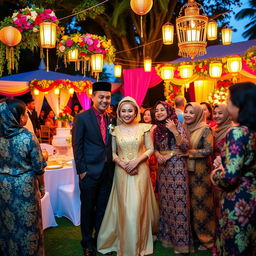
[[173, 193], [21, 231], [237, 225], [202, 212]]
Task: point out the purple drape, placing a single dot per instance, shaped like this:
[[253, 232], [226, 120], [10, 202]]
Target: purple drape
[[84, 100], [137, 82]]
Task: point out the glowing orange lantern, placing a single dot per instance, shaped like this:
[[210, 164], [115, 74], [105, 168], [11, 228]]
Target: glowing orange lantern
[[226, 36], [168, 33], [234, 64], [186, 71], [97, 62], [215, 69], [36, 92], [73, 55], [212, 29], [71, 91], [167, 73], [56, 91], [147, 64], [141, 7], [10, 36], [117, 70]]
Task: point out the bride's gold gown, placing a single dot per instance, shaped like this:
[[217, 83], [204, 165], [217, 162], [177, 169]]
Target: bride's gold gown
[[132, 213]]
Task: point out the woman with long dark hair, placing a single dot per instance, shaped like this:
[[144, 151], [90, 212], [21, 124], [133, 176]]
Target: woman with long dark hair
[[235, 175]]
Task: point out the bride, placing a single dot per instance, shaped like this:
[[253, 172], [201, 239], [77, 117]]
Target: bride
[[132, 213]]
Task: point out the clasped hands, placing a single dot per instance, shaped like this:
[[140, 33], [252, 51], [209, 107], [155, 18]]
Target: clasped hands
[[130, 167], [162, 159]]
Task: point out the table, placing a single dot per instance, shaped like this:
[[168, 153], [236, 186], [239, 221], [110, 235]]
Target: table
[[54, 178]]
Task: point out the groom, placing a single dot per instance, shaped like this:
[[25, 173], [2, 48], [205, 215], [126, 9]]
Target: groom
[[91, 143]]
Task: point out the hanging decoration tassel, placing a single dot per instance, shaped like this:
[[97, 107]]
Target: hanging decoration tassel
[[141, 27], [12, 57], [41, 53]]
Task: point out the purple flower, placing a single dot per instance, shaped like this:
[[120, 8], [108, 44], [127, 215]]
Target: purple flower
[[234, 149]]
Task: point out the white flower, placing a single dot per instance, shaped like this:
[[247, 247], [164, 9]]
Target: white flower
[[52, 14], [35, 29]]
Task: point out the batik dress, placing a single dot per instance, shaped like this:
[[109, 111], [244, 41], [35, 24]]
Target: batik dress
[[237, 226]]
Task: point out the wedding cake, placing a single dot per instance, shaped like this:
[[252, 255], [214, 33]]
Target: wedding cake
[[62, 140]]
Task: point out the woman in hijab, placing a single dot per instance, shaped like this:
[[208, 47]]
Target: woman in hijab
[[132, 213], [21, 183], [199, 164], [171, 142], [223, 125]]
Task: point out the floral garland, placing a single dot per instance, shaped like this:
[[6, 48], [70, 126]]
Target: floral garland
[[86, 44], [27, 21], [250, 58], [47, 85], [220, 94]]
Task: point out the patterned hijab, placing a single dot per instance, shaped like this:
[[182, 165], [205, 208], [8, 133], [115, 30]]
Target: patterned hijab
[[161, 132], [220, 131], [9, 126], [132, 101], [199, 118]]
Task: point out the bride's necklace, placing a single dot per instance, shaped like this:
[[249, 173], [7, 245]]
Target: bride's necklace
[[129, 128]]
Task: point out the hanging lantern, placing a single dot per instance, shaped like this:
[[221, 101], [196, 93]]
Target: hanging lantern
[[71, 91], [186, 71], [141, 7], [73, 55], [226, 36], [215, 69], [147, 64], [48, 34], [36, 92], [212, 30], [191, 30], [57, 91], [90, 91], [168, 33], [117, 70], [167, 73], [199, 83], [10, 36], [234, 64], [47, 38], [97, 62], [187, 85]]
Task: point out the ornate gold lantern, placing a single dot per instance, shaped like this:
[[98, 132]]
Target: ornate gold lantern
[[212, 30], [97, 62], [226, 36], [167, 73], [73, 55], [118, 70], [234, 64], [186, 71], [48, 38], [191, 30], [215, 69], [147, 64], [168, 33]]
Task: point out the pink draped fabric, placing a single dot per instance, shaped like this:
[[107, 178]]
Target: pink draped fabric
[[137, 82], [84, 100], [247, 69]]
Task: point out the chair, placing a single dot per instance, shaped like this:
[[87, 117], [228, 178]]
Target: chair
[[49, 148], [47, 212], [69, 204], [45, 134]]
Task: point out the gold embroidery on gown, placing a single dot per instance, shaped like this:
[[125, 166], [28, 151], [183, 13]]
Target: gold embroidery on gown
[[132, 213]]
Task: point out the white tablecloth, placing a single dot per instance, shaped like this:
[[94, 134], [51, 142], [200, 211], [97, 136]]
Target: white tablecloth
[[54, 178]]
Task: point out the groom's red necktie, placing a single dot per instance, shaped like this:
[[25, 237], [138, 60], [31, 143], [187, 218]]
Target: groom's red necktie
[[103, 127]]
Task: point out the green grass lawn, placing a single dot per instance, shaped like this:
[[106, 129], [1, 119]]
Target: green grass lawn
[[64, 240]]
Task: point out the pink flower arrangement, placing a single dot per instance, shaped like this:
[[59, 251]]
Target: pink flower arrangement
[[28, 19]]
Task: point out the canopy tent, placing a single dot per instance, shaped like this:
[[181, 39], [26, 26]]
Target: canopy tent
[[137, 82], [18, 84]]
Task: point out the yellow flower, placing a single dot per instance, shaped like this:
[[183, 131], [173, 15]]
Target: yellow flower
[[65, 38]]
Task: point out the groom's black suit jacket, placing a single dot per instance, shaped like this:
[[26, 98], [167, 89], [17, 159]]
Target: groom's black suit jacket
[[90, 151]]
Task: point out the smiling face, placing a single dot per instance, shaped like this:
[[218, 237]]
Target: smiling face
[[147, 117], [127, 113], [160, 112], [233, 110], [189, 114], [101, 100], [218, 116]]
